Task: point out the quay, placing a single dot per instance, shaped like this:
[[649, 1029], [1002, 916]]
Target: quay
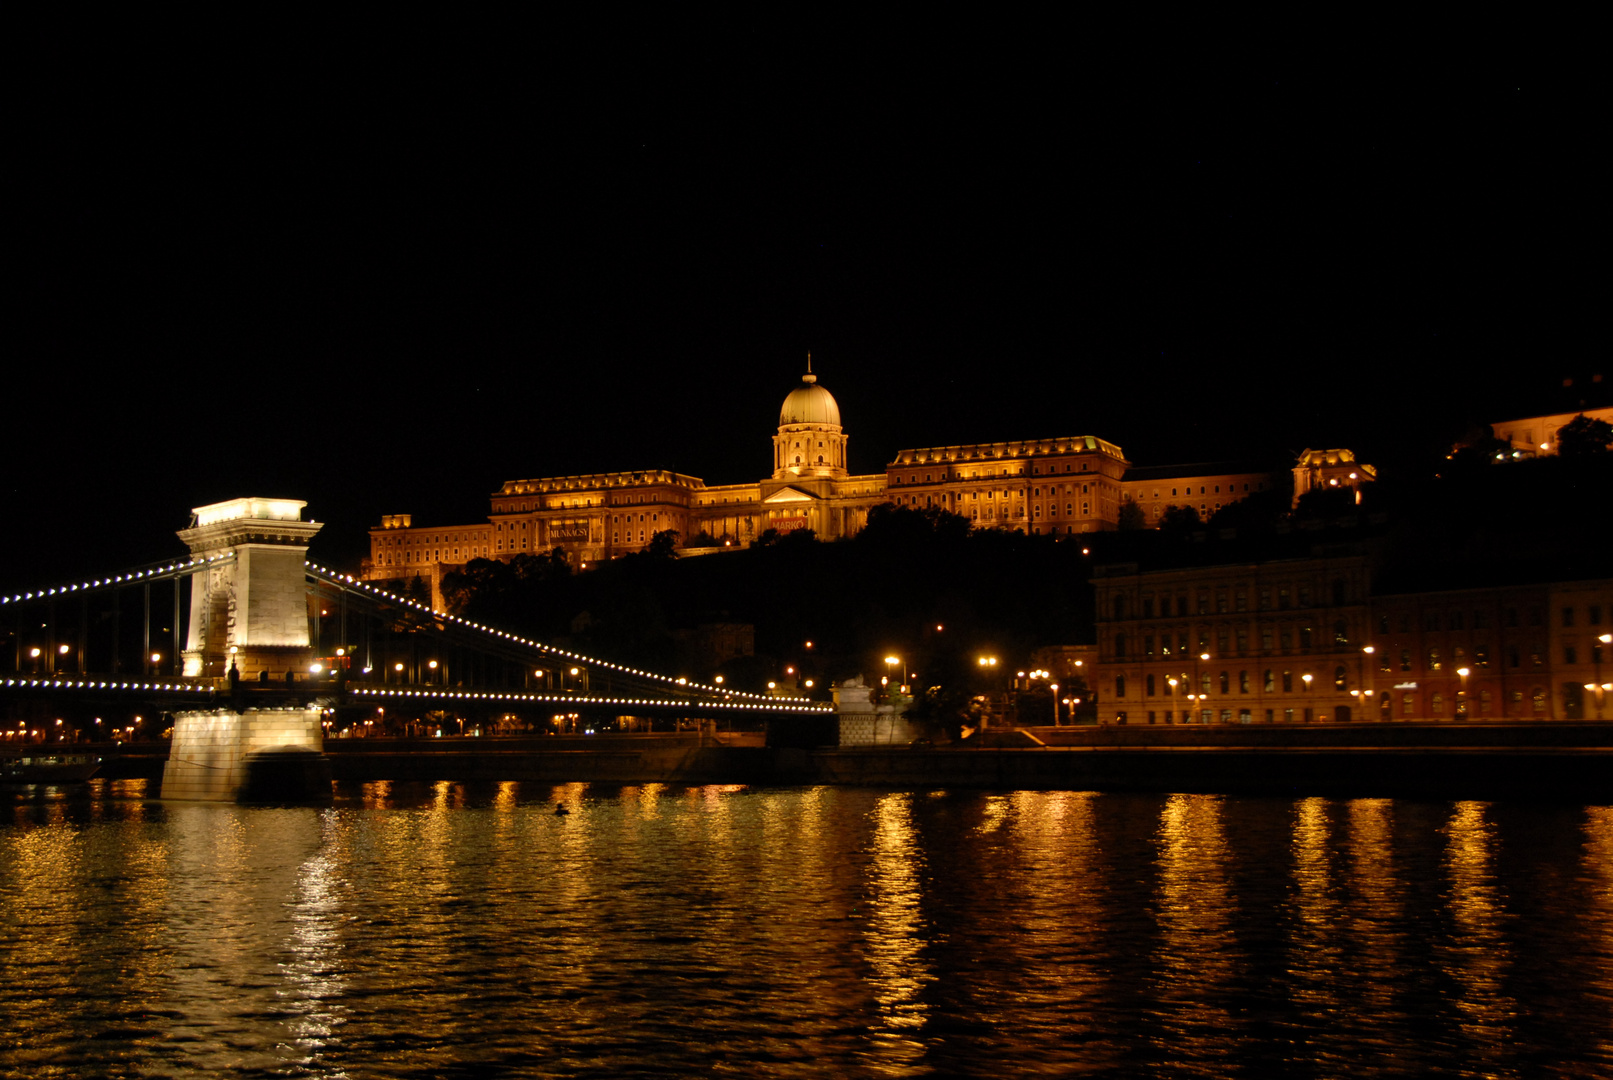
[[1550, 760]]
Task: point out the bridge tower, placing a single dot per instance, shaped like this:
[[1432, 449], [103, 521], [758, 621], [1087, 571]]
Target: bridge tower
[[249, 622]]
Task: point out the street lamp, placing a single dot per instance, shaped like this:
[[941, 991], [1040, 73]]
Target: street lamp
[[1596, 658], [1461, 695], [1361, 678], [1202, 696]]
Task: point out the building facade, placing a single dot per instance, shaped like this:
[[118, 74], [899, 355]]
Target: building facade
[[1306, 641], [1279, 641], [1059, 487]]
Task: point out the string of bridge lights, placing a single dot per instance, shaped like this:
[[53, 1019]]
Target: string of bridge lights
[[91, 684], [120, 579], [472, 695], [340, 579]]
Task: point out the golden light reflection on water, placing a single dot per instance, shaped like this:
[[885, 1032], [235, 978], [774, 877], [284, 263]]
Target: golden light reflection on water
[[1373, 919], [1597, 873], [994, 815], [1314, 946], [1477, 956], [803, 932], [894, 933], [1058, 942], [1198, 953]]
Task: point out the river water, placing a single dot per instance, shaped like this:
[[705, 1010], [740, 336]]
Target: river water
[[419, 930]]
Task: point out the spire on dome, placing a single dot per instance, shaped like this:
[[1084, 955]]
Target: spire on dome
[[809, 377]]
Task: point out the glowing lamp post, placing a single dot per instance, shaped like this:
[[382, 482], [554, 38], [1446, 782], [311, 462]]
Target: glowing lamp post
[[1596, 656]]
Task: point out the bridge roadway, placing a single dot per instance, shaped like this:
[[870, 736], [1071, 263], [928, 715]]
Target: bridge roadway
[[306, 691]]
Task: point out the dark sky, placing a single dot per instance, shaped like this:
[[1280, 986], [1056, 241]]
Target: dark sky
[[389, 284]]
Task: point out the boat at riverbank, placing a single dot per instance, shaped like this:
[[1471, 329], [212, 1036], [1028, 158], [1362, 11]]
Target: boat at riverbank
[[47, 768]]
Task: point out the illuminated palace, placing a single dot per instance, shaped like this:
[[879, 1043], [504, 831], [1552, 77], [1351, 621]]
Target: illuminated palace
[[1061, 487]]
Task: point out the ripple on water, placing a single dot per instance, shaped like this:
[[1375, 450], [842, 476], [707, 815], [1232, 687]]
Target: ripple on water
[[446, 930]]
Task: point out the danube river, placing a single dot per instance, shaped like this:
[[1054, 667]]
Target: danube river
[[444, 930]]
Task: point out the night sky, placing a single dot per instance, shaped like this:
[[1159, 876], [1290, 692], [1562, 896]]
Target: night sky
[[388, 285]]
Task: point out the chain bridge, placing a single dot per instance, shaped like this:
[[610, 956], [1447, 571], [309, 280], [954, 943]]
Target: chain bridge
[[253, 653]]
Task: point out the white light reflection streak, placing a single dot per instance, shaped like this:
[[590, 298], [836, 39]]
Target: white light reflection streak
[[1477, 957], [313, 974]]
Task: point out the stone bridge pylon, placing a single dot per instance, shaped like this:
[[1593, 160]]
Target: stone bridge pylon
[[249, 625], [252, 609]]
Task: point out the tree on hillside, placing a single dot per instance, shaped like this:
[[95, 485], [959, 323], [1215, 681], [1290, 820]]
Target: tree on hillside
[[1257, 513], [1179, 519], [1584, 435], [663, 545], [1131, 517], [888, 522], [540, 568], [1325, 504]]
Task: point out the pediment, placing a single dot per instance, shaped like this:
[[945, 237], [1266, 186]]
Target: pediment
[[789, 495]]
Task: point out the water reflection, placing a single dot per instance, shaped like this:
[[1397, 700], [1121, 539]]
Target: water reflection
[[445, 929], [1476, 955], [1372, 920], [1197, 957], [894, 931], [1314, 948]]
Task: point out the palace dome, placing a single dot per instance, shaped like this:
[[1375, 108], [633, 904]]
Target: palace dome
[[809, 403]]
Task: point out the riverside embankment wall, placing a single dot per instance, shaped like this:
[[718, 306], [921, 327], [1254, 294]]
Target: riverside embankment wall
[[1555, 760]]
